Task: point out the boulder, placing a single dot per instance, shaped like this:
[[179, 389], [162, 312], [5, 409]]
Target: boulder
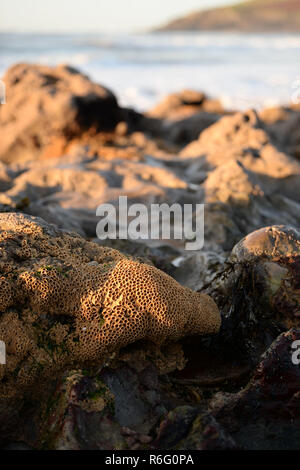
[[181, 105], [258, 290], [46, 106], [67, 302], [264, 415]]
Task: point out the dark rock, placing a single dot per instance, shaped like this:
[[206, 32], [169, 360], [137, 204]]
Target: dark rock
[[190, 428], [258, 292], [184, 131], [265, 414]]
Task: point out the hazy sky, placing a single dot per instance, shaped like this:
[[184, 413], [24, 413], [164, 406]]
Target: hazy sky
[[94, 15]]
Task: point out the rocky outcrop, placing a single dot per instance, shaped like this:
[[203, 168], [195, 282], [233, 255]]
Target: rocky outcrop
[[265, 414], [181, 105], [262, 416], [283, 124], [67, 108], [46, 106], [100, 346], [68, 302], [258, 291], [185, 115]]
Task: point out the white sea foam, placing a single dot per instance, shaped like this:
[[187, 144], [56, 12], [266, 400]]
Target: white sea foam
[[245, 70]]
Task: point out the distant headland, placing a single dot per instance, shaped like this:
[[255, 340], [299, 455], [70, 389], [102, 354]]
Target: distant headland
[[247, 16]]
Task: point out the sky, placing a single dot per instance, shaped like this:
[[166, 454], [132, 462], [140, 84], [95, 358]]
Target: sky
[[94, 15]]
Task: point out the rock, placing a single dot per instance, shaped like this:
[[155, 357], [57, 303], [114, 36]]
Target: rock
[[184, 131], [199, 269], [103, 306], [283, 124], [68, 190], [117, 408], [238, 202], [227, 138], [77, 414], [243, 138], [175, 427], [274, 253], [243, 177], [181, 117], [276, 114], [241, 174], [232, 184], [179, 106], [276, 243], [46, 106], [80, 415], [104, 350], [189, 428], [161, 256], [265, 414], [258, 292]]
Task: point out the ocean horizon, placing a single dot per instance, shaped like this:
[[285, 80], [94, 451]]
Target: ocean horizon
[[242, 70]]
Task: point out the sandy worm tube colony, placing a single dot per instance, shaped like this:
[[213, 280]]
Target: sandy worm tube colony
[[68, 302]]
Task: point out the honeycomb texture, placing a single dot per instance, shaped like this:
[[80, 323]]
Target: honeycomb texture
[[66, 302]]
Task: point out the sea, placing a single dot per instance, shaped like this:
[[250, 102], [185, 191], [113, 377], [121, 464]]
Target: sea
[[243, 70]]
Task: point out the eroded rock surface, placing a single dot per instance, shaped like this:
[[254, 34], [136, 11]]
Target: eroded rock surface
[[265, 414], [183, 104], [46, 106], [67, 301]]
